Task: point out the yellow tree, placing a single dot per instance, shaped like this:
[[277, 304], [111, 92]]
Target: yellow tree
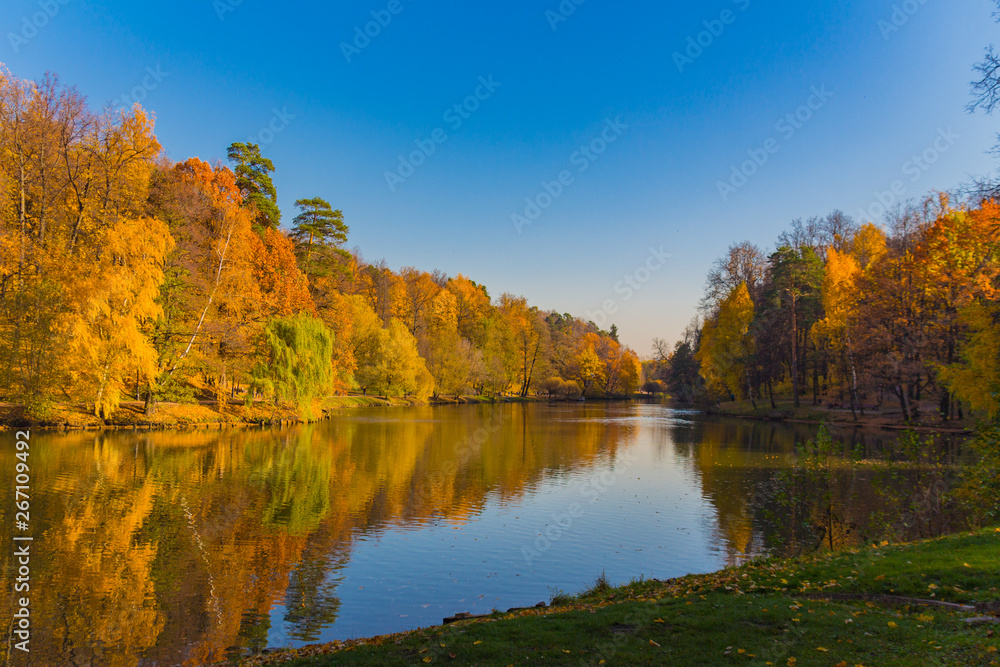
[[976, 378], [960, 256], [114, 269], [529, 334], [589, 369], [726, 345], [110, 309], [631, 372], [367, 342], [840, 301], [472, 305], [449, 356]]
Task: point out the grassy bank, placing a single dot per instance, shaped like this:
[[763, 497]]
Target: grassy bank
[[834, 609], [207, 414], [887, 417]]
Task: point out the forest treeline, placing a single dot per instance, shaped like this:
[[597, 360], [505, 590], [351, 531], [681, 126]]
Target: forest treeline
[[125, 276], [852, 315]]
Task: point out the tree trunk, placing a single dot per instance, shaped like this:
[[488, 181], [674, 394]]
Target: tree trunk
[[904, 400], [795, 354], [150, 407]]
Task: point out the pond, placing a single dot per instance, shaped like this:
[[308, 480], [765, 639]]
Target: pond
[[185, 547]]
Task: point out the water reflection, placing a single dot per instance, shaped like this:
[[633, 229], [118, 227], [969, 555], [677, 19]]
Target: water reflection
[[173, 548]]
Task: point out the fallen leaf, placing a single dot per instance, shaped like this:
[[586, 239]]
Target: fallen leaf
[[892, 624], [824, 650], [428, 659]]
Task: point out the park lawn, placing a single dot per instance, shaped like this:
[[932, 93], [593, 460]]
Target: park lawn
[[769, 612]]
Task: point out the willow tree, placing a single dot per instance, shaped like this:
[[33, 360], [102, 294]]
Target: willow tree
[[296, 361]]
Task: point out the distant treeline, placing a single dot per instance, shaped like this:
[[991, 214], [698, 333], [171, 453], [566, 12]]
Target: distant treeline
[[124, 276], [853, 314]]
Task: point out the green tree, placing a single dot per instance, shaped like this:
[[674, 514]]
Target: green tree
[[296, 364], [253, 178], [319, 235], [796, 287]]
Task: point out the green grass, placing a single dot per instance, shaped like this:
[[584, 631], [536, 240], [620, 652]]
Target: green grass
[[765, 613]]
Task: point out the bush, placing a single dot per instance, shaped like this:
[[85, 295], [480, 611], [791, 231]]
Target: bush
[[979, 490]]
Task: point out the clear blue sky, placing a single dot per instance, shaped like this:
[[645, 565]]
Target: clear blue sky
[[224, 67]]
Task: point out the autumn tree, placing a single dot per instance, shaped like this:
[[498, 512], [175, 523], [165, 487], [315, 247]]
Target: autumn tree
[[530, 337], [72, 183], [588, 368], [283, 288], [450, 358], [975, 378], [840, 300], [726, 345], [744, 263], [209, 293]]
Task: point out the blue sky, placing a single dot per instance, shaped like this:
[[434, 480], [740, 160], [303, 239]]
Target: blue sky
[[892, 76]]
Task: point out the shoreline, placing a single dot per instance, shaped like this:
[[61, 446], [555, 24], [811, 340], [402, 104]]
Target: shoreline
[[207, 415], [935, 598], [889, 420]]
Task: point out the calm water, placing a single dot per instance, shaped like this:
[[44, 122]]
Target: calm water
[[171, 548]]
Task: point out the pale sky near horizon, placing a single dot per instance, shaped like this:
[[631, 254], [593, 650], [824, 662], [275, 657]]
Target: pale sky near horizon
[[614, 121]]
